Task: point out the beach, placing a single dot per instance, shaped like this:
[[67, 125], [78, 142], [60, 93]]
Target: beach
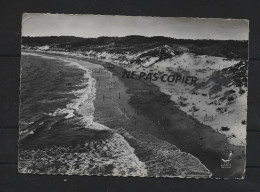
[[138, 108]]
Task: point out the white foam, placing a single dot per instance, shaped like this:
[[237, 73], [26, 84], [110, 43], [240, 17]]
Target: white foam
[[83, 104], [110, 156]]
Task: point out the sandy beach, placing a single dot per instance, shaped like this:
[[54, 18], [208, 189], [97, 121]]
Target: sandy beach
[[143, 110]]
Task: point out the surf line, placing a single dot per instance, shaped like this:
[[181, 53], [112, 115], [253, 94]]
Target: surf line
[[178, 78]]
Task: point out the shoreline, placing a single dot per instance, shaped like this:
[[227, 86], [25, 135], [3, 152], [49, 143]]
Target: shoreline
[[178, 128]]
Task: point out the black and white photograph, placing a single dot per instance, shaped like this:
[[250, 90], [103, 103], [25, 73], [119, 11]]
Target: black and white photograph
[[138, 96]]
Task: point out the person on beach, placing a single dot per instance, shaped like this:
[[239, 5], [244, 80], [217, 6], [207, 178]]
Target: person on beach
[[134, 120]]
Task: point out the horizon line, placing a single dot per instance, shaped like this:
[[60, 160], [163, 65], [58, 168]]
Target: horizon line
[[133, 35]]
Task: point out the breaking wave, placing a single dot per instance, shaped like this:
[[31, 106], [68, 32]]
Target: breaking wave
[[111, 155], [163, 159]]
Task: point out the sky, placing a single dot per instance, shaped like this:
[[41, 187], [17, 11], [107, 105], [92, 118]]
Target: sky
[[104, 25]]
